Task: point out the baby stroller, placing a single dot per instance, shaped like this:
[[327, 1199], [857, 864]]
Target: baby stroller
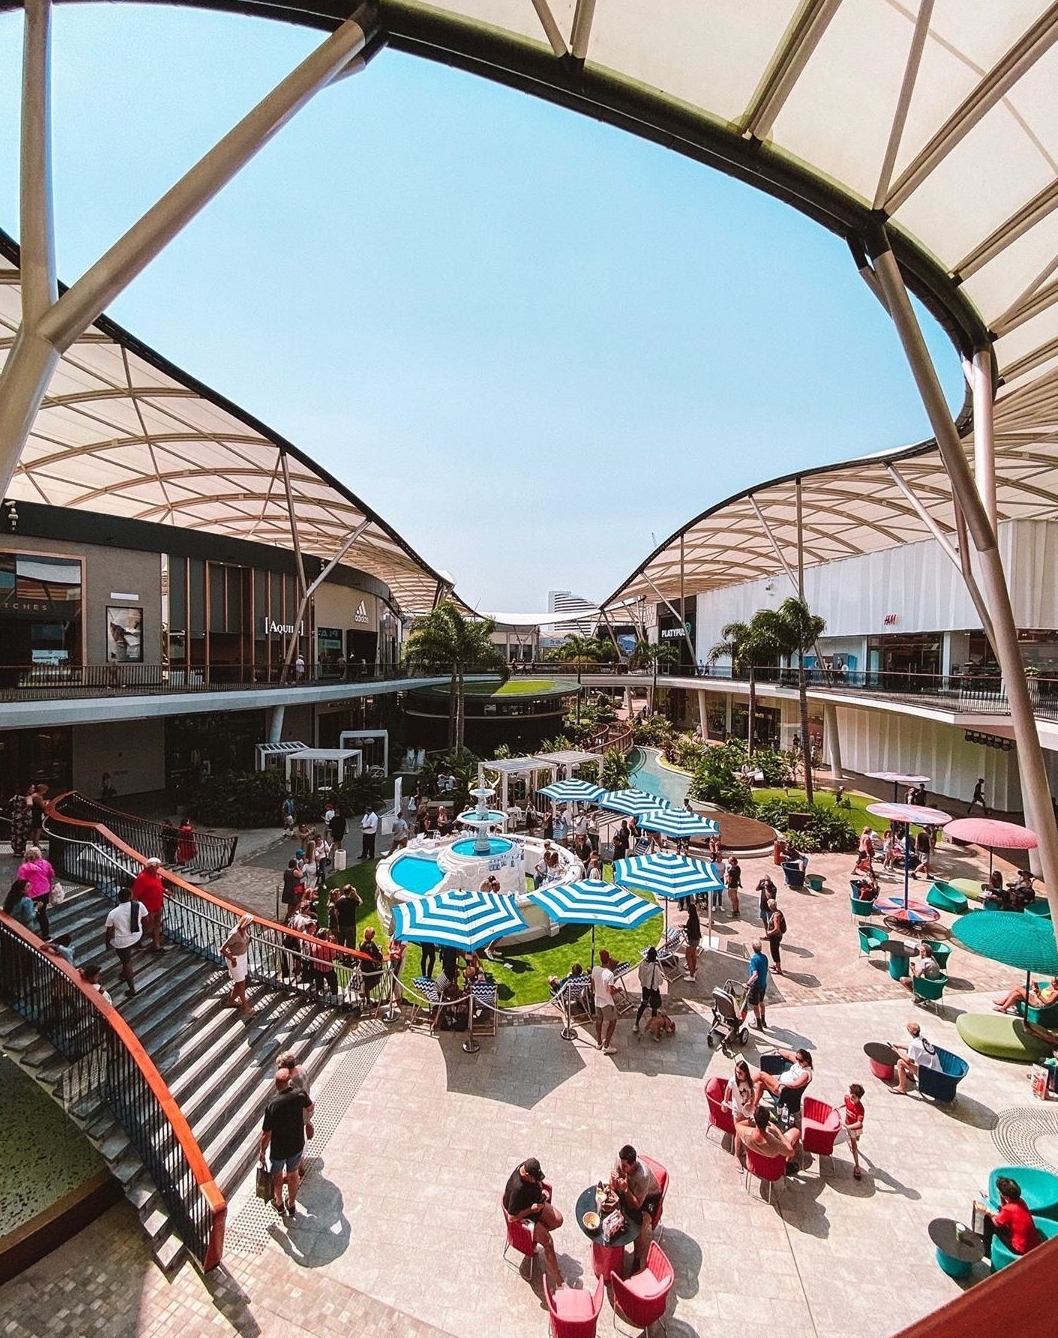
[[729, 1016]]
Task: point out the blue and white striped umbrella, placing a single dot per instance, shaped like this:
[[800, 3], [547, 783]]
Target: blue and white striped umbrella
[[457, 919], [667, 875], [632, 803], [593, 903], [573, 792], [679, 824]]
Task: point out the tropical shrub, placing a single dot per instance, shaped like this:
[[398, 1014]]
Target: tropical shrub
[[238, 799], [826, 828], [616, 772]]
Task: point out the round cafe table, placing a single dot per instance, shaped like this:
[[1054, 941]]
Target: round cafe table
[[958, 1248], [899, 954], [882, 1058], [609, 1257]]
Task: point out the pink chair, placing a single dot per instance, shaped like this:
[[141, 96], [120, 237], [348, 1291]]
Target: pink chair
[[520, 1238], [720, 1116], [766, 1169], [644, 1298], [574, 1312], [820, 1126], [662, 1177]]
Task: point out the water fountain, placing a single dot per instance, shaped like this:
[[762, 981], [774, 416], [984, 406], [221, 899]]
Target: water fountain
[[481, 818]]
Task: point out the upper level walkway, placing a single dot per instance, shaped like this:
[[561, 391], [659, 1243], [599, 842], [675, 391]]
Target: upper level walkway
[[67, 695]]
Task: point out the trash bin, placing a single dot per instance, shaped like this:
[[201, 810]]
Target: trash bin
[[338, 855], [793, 873], [814, 881]]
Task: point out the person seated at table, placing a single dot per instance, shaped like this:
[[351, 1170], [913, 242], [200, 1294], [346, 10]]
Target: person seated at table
[[995, 894], [738, 1094], [638, 1194], [917, 1054], [789, 1086], [1037, 998], [558, 983], [472, 970], [866, 883], [923, 965], [1013, 1222], [764, 1137], [528, 1200], [1022, 893]]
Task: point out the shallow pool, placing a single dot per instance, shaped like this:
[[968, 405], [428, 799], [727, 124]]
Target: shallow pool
[[415, 875], [647, 775], [498, 845]]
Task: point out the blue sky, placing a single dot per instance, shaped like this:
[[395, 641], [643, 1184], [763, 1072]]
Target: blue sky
[[530, 341]]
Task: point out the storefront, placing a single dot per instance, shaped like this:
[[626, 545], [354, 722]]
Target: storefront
[[40, 610], [904, 663], [679, 637]]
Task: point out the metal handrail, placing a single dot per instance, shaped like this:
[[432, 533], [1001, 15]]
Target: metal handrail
[[41, 682], [88, 852], [107, 1059], [157, 840]]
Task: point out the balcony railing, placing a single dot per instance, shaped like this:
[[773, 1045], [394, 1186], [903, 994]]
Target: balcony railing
[[107, 1061]]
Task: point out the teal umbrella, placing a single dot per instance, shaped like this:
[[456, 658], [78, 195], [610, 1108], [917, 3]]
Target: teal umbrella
[[1022, 941]]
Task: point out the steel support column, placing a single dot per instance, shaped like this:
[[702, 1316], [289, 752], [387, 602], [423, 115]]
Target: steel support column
[[984, 435], [46, 334], [1036, 795], [830, 720]]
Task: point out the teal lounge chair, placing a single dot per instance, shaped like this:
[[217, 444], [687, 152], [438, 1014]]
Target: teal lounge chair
[[944, 897], [1001, 1256], [860, 908], [1039, 1189], [941, 953], [928, 991], [871, 937]]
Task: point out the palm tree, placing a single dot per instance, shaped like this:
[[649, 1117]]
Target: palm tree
[[799, 629], [582, 650], [445, 640], [749, 645], [653, 655]]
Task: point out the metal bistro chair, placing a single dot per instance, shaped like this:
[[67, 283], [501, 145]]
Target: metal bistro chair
[[929, 992], [671, 965]]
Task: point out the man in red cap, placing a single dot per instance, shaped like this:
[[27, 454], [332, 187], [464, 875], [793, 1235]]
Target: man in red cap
[[148, 889]]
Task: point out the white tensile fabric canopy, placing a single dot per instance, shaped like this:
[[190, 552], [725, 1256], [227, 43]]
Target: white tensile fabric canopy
[[124, 433]]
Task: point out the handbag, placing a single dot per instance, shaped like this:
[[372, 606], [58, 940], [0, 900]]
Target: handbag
[[263, 1186], [57, 895]]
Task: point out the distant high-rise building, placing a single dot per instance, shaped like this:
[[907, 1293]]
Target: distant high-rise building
[[564, 601]]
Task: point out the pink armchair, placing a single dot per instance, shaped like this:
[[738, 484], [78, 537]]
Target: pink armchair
[[820, 1126], [766, 1169], [662, 1177], [519, 1237], [644, 1298], [720, 1116], [574, 1312]]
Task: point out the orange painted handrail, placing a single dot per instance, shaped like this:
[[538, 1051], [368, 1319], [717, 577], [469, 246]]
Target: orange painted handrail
[[52, 811], [215, 1200]]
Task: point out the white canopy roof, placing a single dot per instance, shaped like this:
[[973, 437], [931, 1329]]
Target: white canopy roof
[[126, 433]]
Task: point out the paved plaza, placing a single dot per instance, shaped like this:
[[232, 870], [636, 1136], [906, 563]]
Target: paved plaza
[[401, 1230]]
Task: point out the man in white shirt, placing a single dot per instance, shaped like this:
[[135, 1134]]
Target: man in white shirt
[[124, 929], [602, 984], [368, 831], [918, 1054]]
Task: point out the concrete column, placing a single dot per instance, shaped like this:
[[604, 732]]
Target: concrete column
[[703, 713], [830, 722], [275, 724]]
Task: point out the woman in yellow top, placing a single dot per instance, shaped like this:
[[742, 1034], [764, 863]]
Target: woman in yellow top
[[1037, 998]]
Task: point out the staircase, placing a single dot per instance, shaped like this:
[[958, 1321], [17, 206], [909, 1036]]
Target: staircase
[[218, 1066]]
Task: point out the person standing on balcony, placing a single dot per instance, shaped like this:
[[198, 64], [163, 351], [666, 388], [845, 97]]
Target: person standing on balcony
[[978, 798], [38, 798], [149, 891], [123, 931]]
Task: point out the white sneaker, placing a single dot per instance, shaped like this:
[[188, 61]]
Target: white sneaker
[[687, 976], [610, 1050]]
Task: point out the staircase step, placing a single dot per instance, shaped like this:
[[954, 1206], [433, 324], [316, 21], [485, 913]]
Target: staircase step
[[127, 1168], [155, 1222], [115, 1145], [142, 1193], [170, 1252]]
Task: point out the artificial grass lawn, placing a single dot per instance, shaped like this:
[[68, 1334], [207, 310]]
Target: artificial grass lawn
[[856, 812], [523, 978], [514, 687]]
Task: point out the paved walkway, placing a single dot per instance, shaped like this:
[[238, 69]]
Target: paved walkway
[[401, 1232]]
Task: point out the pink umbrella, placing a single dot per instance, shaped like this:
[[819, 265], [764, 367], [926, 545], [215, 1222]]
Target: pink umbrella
[[909, 814], [992, 834]]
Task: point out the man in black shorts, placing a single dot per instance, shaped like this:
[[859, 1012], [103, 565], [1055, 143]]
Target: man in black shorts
[[757, 984], [284, 1128], [527, 1200]]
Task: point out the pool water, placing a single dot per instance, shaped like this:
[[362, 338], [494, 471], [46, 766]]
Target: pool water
[[647, 775], [498, 845], [415, 875]]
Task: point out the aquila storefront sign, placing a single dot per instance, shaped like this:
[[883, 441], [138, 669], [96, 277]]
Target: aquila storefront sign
[[272, 628]]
